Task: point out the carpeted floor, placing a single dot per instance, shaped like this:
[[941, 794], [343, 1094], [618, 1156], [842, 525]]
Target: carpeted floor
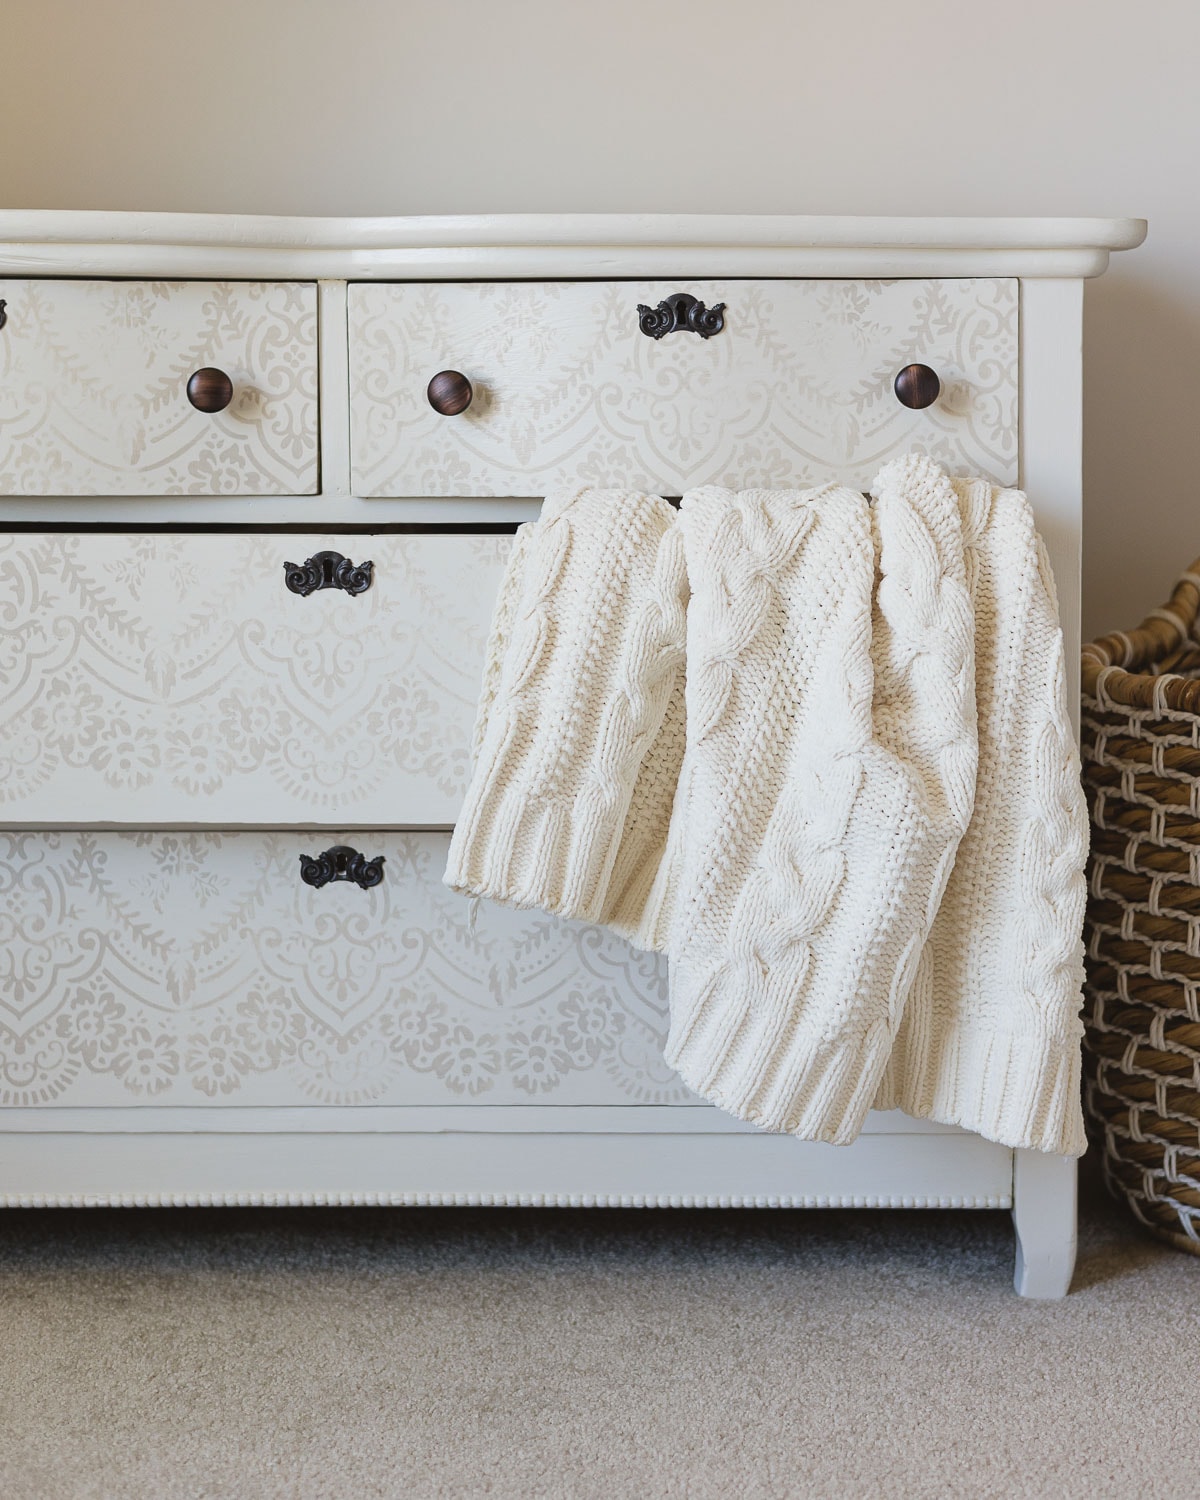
[[586, 1354]]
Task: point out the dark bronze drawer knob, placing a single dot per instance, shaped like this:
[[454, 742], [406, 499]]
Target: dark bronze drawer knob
[[210, 390], [917, 386], [449, 392], [341, 863], [3, 314]]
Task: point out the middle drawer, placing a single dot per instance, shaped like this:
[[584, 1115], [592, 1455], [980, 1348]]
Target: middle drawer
[[155, 680]]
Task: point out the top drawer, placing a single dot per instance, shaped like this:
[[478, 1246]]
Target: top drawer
[[94, 388], [797, 386]]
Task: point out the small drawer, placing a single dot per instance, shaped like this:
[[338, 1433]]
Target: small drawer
[[167, 680], [96, 388], [202, 969], [790, 383]]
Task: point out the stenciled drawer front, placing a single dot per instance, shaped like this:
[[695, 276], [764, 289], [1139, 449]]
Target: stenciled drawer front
[[565, 386], [200, 968], [95, 379], [165, 680]]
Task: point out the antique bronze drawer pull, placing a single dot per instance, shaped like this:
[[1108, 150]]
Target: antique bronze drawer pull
[[681, 312], [328, 570], [341, 863]]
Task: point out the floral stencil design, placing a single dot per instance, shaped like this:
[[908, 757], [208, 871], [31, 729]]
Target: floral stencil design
[[797, 389], [93, 379], [194, 968], [161, 679]]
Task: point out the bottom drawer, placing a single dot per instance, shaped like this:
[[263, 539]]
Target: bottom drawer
[[197, 968]]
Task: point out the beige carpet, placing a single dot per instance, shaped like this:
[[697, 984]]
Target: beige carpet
[[591, 1354]]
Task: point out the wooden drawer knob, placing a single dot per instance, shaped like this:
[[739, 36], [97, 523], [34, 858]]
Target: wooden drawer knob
[[210, 390], [917, 386], [449, 393]]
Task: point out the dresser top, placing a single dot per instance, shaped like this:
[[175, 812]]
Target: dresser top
[[54, 242]]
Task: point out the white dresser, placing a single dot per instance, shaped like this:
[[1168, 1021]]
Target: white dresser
[[247, 559]]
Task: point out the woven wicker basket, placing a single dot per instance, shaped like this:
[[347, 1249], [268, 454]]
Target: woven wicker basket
[[1141, 765]]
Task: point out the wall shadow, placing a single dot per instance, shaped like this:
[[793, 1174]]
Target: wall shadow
[[1141, 438]]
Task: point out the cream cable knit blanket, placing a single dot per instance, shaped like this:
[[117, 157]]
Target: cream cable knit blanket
[[575, 758], [851, 914]]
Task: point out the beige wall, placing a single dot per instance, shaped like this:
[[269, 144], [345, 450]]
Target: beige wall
[[851, 106]]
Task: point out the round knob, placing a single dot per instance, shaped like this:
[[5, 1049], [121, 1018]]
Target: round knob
[[449, 392], [917, 386], [210, 390]]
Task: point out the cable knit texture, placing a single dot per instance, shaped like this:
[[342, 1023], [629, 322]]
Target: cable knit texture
[[991, 1035], [585, 655], [855, 826], [827, 778]]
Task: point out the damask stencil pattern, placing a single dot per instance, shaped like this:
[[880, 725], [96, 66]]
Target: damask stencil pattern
[[797, 389], [193, 968], [165, 679], [93, 378]]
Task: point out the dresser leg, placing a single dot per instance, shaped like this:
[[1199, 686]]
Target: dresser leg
[[1044, 1201]]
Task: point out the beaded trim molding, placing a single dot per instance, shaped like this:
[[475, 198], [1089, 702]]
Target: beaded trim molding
[[484, 1200]]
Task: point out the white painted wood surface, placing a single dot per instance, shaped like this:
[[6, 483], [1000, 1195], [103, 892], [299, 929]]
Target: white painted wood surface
[[1052, 473], [1044, 1210], [174, 680], [797, 388], [458, 247], [466, 1167], [227, 1118], [93, 378]]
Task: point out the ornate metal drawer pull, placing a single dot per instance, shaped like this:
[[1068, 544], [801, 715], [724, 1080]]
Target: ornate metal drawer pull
[[341, 863], [681, 312], [328, 570], [3, 314]]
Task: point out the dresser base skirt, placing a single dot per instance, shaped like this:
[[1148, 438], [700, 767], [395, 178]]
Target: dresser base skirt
[[136, 1158]]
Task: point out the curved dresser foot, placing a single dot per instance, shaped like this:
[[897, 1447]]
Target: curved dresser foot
[[1044, 1203]]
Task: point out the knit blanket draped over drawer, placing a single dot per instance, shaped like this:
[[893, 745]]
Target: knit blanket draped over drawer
[[815, 748]]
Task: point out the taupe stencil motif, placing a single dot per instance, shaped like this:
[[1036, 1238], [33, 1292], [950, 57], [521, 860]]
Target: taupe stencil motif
[[93, 378], [160, 679], [797, 388], [194, 968]]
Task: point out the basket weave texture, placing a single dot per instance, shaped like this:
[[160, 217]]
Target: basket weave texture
[[1141, 768]]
